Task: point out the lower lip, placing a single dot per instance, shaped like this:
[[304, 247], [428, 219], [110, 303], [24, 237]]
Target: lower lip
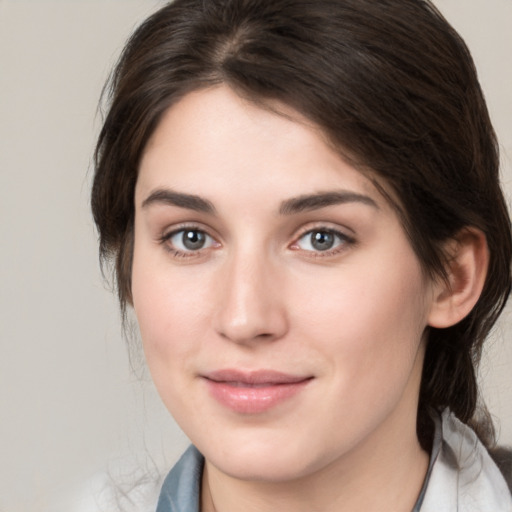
[[253, 399]]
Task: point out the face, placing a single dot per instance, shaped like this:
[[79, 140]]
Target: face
[[281, 306]]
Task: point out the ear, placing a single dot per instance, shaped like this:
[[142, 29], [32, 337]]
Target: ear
[[466, 269]]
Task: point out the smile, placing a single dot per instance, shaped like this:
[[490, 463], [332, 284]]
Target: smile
[[253, 392]]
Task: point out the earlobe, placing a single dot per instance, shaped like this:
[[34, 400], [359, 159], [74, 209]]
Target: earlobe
[[466, 269]]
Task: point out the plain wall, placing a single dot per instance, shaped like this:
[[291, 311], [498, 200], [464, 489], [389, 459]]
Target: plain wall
[[71, 407]]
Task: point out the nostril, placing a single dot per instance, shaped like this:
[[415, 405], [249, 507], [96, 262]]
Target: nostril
[[264, 335], [244, 337]]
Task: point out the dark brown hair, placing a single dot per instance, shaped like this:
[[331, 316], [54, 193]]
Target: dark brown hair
[[394, 88]]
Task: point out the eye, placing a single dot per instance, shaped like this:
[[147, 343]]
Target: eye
[[189, 240], [322, 240]]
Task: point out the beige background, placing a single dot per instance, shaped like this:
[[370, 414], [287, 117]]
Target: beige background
[[74, 416]]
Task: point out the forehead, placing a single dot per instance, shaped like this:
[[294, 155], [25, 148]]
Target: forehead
[[215, 140]]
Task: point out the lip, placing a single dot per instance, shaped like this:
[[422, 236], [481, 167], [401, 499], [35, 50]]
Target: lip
[[253, 392]]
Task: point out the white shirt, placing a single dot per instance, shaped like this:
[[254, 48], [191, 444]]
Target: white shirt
[[463, 477]]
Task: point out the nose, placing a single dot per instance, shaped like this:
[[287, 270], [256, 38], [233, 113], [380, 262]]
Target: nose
[[251, 306]]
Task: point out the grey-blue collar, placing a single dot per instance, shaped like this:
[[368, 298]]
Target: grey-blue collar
[[461, 477]]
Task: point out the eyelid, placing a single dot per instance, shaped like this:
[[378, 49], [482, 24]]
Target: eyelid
[[172, 231], [331, 227], [346, 240]]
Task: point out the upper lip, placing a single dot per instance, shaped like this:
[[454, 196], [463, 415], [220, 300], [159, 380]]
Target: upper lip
[[255, 377]]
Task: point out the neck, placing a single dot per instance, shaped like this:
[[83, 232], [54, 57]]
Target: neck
[[387, 473]]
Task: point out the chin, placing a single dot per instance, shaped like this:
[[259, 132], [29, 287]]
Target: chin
[[265, 460]]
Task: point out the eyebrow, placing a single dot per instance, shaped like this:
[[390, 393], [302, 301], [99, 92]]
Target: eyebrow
[[291, 206], [323, 199], [188, 201]]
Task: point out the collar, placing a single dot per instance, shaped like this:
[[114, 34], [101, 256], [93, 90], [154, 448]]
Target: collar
[[461, 477]]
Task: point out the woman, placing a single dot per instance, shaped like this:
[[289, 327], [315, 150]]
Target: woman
[[301, 199]]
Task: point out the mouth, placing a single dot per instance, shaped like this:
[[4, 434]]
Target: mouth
[[253, 392]]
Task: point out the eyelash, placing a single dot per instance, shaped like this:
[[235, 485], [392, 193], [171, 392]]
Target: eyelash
[[178, 253], [344, 241]]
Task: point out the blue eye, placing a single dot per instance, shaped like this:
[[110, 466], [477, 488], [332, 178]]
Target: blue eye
[[322, 240], [190, 240]]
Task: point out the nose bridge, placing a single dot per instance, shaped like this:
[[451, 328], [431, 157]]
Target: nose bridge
[[251, 307]]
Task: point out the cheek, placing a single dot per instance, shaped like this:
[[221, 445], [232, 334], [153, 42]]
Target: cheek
[[369, 319], [169, 318], [168, 311]]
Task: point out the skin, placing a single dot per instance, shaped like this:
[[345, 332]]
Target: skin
[[259, 295]]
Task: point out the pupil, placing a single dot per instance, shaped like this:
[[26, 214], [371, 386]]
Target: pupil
[[322, 240], [193, 240]]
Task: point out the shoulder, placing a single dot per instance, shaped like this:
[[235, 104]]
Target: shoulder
[[502, 456], [124, 487], [464, 477]]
